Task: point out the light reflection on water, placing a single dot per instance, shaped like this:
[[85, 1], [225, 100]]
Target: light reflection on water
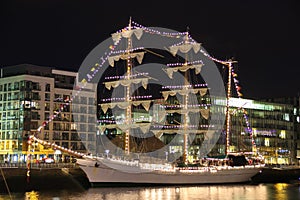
[[281, 191], [183, 193]]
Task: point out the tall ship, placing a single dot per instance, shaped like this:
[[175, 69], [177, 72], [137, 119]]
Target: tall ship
[[159, 129]]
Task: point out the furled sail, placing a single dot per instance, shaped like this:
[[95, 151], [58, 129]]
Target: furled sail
[[124, 105], [183, 68], [127, 34], [139, 56], [184, 48], [166, 94], [126, 82]]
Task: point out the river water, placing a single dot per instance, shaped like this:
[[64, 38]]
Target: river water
[[280, 191]]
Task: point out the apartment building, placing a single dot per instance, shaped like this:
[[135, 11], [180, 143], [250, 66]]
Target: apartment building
[[48, 103]]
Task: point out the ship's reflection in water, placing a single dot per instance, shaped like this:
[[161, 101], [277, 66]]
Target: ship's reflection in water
[[280, 191]]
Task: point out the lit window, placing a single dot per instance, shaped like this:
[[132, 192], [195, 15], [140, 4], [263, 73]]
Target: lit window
[[267, 142], [282, 134], [286, 117]]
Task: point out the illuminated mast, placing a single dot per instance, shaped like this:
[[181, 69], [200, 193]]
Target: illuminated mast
[[128, 119], [186, 82], [229, 64], [227, 150]]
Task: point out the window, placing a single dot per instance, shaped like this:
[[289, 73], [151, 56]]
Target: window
[[46, 126], [34, 125], [286, 117], [82, 127], [65, 144], [15, 96], [35, 116], [74, 145], [82, 118], [92, 109], [83, 100], [73, 126], [66, 98], [282, 134], [91, 101], [83, 136], [58, 97], [267, 142], [92, 128], [36, 96], [74, 136], [2, 145], [47, 106], [83, 109], [91, 137], [91, 147], [15, 135], [56, 136], [65, 136], [9, 86], [16, 86], [47, 96], [46, 136], [47, 87], [36, 86], [92, 120]]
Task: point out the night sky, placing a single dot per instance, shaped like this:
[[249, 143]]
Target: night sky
[[262, 36]]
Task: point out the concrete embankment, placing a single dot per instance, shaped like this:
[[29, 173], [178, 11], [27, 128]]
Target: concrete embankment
[[277, 175], [42, 179]]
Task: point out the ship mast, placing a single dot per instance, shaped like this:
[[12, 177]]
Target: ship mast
[[127, 92], [185, 139], [228, 117], [227, 148], [185, 47], [128, 122]]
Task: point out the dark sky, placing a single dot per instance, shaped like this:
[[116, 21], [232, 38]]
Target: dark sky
[[262, 36]]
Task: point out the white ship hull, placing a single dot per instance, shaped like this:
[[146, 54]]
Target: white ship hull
[[134, 175]]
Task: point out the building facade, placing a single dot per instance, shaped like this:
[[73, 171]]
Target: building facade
[[295, 102], [272, 128], [44, 102], [263, 128]]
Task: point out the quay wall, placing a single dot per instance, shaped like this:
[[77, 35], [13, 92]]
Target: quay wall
[[42, 179]]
